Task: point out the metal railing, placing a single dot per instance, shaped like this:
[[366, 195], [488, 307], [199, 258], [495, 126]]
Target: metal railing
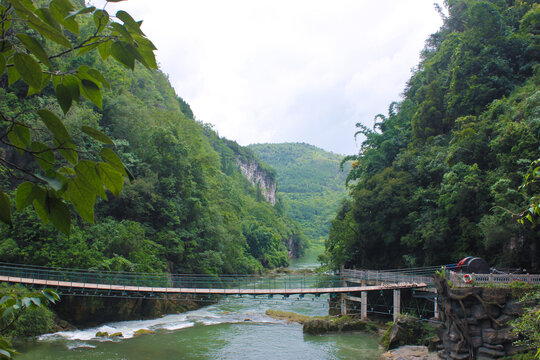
[[165, 280], [466, 279], [410, 275]]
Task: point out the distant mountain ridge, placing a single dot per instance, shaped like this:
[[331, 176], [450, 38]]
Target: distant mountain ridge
[[310, 183]]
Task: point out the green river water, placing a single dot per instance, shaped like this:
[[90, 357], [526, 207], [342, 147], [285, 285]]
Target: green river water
[[234, 328]]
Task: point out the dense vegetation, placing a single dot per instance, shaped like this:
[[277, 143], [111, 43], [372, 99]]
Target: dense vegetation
[[187, 208], [311, 184], [438, 178]]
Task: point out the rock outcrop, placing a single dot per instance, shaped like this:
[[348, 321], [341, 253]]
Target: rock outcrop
[[256, 175]]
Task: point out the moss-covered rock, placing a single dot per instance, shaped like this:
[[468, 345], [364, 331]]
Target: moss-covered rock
[[287, 315], [316, 325], [340, 324], [408, 331], [143, 332], [102, 334]]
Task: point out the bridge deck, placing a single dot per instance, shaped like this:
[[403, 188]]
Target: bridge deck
[[242, 291]]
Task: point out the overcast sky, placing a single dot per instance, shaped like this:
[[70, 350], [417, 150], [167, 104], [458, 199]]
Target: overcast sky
[[287, 71]]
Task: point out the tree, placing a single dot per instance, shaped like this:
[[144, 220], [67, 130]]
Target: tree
[[532, 178], [52, 170], [13, 303]]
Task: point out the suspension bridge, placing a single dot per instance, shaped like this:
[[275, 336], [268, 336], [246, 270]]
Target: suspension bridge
[[75, 281], [347, 283]]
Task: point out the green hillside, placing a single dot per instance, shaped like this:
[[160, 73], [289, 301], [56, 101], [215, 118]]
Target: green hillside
[[310, 183], [439, 177]]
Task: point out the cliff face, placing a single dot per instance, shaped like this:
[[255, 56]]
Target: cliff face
[[259, 177]]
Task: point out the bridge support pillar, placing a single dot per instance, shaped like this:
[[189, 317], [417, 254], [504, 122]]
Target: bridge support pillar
[[436, 309], [363, 306], [343, 296], [397, 303], [343, 305]]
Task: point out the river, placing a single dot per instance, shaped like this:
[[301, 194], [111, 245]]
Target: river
[[233, 328]]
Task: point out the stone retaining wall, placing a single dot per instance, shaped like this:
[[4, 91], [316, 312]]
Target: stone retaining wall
[[476, 322]]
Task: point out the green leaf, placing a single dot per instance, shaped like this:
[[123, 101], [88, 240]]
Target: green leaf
[[82, 197], [9, 311], [55, 126], [67, 171], [87, 48], [5, 208], [98, 135], [121, 31], [46, 78], [51, 292], [112, 158], [68, 151], [85, 10], [13, 75], [99, 76], [129, 22], [53, 182], [43, 155], [8, 300], [71, 24], [93, 75], [136, 54], [59, 215], [101, 19], [29, 69], [19, 136], [91, 91], [104, 50], [38, 25], [25, 195], [39, 204], [63, 94], [145, 55], [21, 8], [121, 53], [47, 16], [87, 172], [35, 48], [143, 42], [111, 177], [72, 83], [62, 7], [61, 10], [36, 301]]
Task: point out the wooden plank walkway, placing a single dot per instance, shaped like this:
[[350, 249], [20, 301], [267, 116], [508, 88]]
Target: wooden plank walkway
[[243, 291]]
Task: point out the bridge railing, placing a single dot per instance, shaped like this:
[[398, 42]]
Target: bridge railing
[[166, 280], [463, 279], [414, 275]]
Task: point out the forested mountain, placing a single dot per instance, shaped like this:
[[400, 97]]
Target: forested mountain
[[438, 178], [188, 209], [311, 183]]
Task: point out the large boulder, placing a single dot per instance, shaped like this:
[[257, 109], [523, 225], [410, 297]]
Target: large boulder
[[404, 331]]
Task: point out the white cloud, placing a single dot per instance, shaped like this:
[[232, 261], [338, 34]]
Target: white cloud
[[295, 70]]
